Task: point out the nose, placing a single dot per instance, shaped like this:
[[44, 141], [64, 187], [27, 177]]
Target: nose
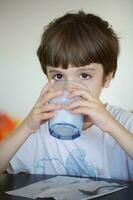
[[72, 85]]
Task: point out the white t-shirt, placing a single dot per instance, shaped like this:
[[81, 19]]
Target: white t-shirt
[[95, 153]]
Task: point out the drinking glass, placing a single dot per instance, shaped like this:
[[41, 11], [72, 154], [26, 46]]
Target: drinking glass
[[65, 125]]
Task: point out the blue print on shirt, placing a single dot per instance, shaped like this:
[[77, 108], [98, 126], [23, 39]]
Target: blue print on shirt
[[77, 165], [47, 163]]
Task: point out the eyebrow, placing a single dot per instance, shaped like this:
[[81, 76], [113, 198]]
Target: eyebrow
[[77, 69]]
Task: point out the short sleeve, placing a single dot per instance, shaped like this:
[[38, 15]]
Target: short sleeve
[[23, 160], [129, 126]]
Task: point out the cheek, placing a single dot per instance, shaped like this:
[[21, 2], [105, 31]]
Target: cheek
[[95, 89], [95, 92]]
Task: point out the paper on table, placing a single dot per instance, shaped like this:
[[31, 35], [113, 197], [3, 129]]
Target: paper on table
[[64, 188]]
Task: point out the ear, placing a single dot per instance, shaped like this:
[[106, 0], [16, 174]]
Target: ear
[[107, 80]]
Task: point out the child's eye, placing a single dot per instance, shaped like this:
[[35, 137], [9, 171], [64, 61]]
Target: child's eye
[[85, 76], [57, 76]]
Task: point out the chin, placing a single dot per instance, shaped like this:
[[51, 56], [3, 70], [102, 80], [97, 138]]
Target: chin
[[87, 125]]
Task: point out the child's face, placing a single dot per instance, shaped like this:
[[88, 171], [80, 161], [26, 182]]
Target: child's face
[[90, 75]]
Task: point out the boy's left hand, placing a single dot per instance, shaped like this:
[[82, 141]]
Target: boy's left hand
[[93, 108]]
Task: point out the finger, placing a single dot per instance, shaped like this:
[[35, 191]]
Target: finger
[[47, 87], [46, 116], [82, 93], [47, 97], [49, 107], [78, 103], [80, 110]]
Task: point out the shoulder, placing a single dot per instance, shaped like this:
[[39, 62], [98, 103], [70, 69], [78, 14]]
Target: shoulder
[[124, 116]]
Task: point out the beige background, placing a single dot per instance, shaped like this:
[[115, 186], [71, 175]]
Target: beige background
[[21, 26]]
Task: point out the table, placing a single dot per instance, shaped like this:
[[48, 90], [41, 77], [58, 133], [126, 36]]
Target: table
[[11, 182]]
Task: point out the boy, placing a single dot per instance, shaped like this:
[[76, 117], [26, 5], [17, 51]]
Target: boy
[[84, 48]]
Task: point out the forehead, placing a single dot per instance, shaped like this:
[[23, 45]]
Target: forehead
[[90, 67]]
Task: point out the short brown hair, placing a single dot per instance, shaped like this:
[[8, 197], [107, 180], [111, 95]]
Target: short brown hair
[[79, 39]]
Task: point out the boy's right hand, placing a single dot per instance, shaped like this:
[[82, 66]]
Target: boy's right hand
[[42, 111]]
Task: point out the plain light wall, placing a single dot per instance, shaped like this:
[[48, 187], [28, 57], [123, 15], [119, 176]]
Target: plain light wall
[[21, 26]]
